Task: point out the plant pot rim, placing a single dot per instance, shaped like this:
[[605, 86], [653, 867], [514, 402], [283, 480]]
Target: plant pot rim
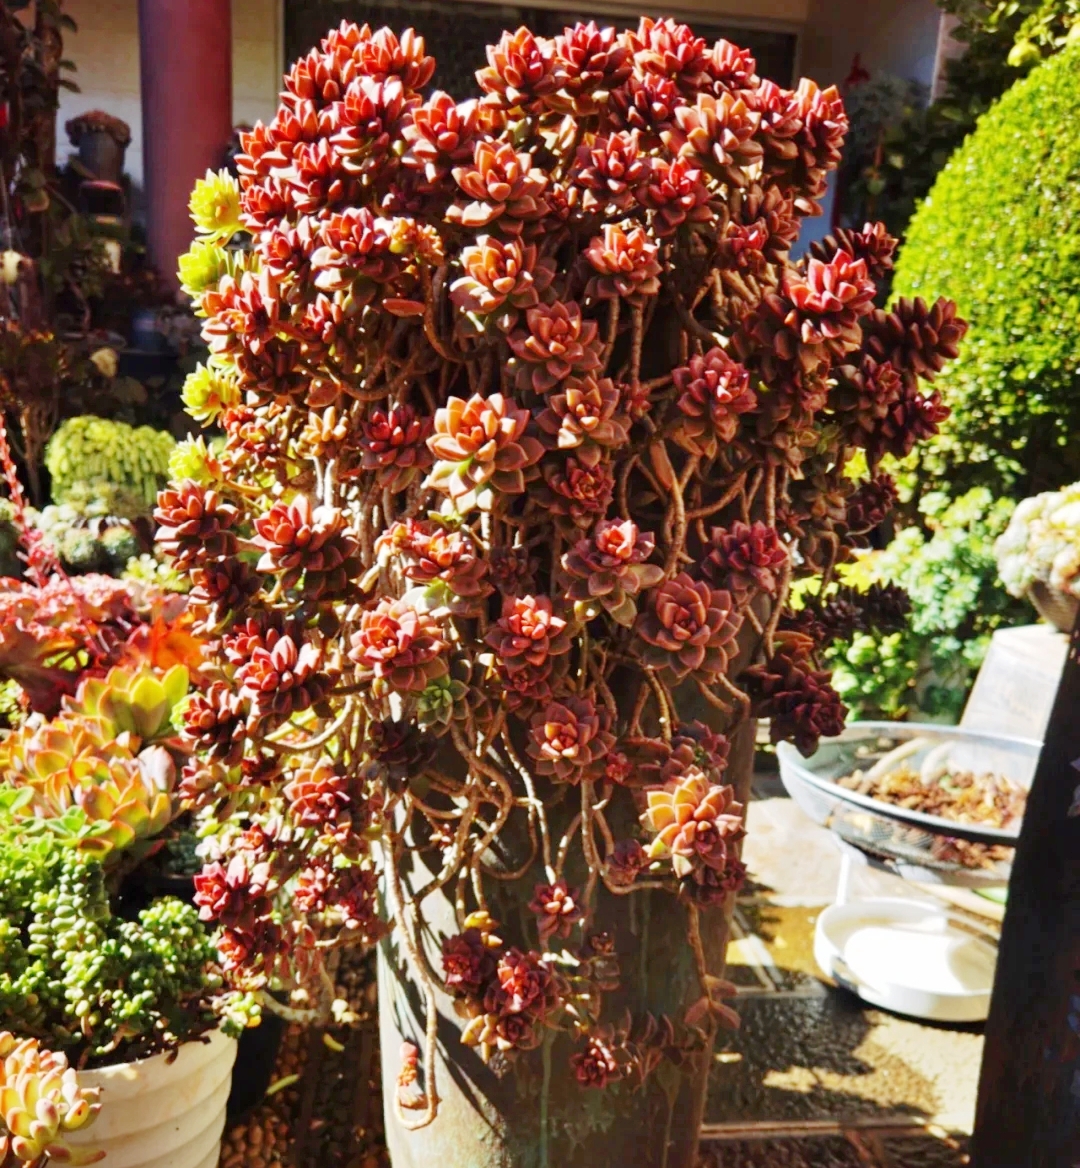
[[195, 1053]]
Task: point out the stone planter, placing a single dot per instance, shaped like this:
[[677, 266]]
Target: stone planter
[[1057, 608], [533, 1114], [161, 1114]]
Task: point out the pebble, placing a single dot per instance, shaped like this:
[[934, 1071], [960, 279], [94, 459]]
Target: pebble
[[264, 1139]]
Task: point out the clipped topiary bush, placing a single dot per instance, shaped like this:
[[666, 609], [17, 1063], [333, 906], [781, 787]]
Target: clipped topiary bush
[[1000, 234]]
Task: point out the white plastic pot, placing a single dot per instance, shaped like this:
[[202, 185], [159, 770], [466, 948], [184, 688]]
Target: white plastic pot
[[161, 1114]]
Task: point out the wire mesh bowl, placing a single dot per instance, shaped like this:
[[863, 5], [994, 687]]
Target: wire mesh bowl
[[919, 846]]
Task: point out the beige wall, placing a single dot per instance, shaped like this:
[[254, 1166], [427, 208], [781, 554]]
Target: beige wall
[[761, 13], [106, 51]]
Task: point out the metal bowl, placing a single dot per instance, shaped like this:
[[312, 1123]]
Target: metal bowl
[[910, 841]]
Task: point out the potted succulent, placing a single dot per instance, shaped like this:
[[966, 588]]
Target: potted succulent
[[102, 141], [127, 990], [530, 424], [95, 970], [1038, 555]]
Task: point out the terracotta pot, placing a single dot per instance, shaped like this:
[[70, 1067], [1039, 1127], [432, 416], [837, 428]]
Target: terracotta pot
[[1054, 606], [161, 1114], [532, 1113]]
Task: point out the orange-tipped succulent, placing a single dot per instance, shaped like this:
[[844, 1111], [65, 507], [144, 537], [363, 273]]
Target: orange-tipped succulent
[[482, 448], [93, 790], [694, 822], [41, 1103]]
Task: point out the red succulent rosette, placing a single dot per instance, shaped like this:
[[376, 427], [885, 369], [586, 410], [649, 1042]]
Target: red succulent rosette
[[577, 491], [393, 444], [440, 135], [797, 698], [609, 568], [527, 633], [501, 278], [745, 556], [468, 963], [312, 544], [688, 627], [676, 193], [481, 447], [607, 172], [624, 259], [318, 796], [196, 524], [556, 342], [504, 188], [589, 63], [520, 69], [714, 391], [231, 893], [569, 739], [597, 1064], [669, 49], [281, 677], [584, 415], [557, 909], [399, 645], [429, 551], [719, 132]]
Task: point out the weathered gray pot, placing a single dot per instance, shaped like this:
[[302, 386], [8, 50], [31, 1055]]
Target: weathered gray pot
[[535, 1115]]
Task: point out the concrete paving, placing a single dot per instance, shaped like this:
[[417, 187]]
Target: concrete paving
[[813, 1076]]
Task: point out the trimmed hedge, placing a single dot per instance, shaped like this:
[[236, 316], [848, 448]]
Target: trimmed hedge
[[1000, 234]]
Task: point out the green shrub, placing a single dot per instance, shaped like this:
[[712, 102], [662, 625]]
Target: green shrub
[[957, 601], [1000, 234]]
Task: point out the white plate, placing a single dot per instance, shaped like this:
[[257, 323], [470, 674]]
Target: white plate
[[907, 956]]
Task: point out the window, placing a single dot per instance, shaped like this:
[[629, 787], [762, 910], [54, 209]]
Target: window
[[457, 33]]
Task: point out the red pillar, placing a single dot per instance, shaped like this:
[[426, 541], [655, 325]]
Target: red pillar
[[185, 58]]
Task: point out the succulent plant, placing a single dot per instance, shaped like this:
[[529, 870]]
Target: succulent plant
[[1041, 544], [689, 627], [101, 775], [609, 569], [550, 344], [88, 449], [76, 975], [40, 1102]]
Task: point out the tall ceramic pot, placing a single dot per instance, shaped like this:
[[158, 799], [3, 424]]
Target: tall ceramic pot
[[161, 1114], [533, 1113]]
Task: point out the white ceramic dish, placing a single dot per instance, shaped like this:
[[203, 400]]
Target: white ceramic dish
[[907, 956]]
